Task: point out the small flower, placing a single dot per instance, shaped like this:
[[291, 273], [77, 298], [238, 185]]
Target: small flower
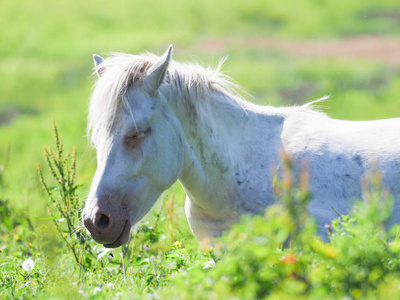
[[110, 285], [103, 252], [80, 291], [329, 228], [97, 290], [209, 264], [289, 259], [28, 264], [171, 265], [178, 244], [357, 293]]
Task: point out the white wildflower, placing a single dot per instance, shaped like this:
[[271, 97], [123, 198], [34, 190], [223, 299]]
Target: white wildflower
[[119, 294], [171, 265], [209, 264], [110, 285], [28, 264], [103, 252], [80, 291]]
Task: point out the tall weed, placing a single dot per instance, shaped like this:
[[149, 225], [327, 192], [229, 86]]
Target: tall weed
[[63, 203]]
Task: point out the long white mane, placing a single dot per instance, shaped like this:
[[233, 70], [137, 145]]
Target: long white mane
[[187, 81]]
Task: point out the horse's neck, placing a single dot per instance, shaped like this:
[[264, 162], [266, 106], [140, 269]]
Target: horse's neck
[[222, 144], [212, 140]]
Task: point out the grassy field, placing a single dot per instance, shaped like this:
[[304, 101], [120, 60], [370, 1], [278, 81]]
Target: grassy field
[[45, 72]]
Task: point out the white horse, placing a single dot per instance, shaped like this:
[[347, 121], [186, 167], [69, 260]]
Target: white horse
[[154, 121]]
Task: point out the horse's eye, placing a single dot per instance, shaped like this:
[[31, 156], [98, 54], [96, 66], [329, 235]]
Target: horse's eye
[[134, 136]]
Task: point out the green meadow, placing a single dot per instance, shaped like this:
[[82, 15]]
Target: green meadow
[[46, 73]]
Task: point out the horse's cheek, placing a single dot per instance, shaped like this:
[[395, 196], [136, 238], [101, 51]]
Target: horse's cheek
[[166, 162]]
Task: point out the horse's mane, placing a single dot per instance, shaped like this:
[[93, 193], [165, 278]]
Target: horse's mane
[[187, 81]]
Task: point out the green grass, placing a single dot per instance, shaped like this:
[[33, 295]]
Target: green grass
[[45, 68]]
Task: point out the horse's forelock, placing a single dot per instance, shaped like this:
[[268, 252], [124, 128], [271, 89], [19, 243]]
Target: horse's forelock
[[120, 71], [188, 82]]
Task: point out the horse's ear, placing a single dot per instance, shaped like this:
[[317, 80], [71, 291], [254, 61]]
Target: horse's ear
[[98, 60], [156, 73]]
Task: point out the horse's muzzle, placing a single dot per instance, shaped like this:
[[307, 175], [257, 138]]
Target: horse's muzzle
[[107, 230]]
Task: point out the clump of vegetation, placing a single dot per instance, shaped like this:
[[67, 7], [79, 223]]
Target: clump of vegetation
[[63, 204], [268, 256], [17, 248]]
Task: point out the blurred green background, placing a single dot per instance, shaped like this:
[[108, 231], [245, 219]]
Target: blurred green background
[[281, 52]]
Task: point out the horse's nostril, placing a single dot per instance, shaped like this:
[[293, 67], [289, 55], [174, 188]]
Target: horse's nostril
[[102, 221], [88, 224]]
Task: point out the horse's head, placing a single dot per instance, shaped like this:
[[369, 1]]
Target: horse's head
[[138, 156]]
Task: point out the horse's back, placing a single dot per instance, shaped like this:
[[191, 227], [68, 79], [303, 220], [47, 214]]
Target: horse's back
[[318, 133], [340, 156]]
